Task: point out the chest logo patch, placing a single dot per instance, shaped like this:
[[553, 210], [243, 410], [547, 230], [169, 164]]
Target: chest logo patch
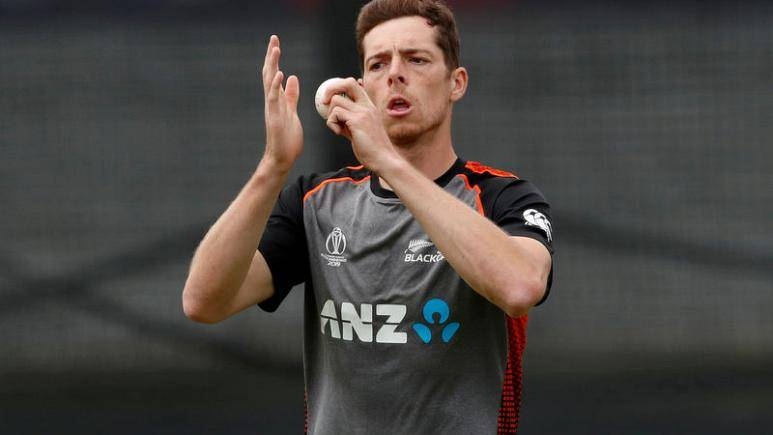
[[352, 324], [419, 252], [335, 245]]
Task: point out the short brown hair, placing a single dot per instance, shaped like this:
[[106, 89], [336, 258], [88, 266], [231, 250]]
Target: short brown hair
[[436, 12]]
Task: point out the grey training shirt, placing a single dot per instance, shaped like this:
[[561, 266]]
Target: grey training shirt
[[395, 342]]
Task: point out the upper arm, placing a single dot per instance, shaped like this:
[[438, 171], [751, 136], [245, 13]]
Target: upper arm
[[540, 258], [521, 210], [257, 287], [281, 260]]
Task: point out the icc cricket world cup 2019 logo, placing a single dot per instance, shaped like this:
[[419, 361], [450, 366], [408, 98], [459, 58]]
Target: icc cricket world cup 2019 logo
[[336, 242], [335, 246]]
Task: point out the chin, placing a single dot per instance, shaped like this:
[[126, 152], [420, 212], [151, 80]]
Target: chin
[[404, 134]]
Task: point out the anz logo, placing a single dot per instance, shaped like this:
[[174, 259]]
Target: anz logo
[[436, 311], [349, 322]]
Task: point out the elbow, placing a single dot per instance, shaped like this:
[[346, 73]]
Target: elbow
[[522, 297], [197, 309], [516, 309], [196, 314]]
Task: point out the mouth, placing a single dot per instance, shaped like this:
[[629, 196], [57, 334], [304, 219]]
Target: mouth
[[398, 106]]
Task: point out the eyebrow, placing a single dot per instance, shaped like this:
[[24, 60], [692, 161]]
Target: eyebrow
[[404, 52]]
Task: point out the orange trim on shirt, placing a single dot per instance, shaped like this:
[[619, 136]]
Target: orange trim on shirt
[[478, 202], [333, 180], [480, 168]]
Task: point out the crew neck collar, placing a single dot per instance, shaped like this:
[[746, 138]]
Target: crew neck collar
[[380, 191]]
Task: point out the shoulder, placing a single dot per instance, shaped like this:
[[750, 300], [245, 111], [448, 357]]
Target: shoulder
[[481, 170], [485, 177], [499, 187], [309, 184]]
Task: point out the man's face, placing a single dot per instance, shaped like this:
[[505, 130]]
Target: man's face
[[406, 77]]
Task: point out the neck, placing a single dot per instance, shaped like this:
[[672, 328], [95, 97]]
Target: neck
[[431, 154]]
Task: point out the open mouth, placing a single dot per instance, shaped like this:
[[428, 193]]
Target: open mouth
[[398, 106]]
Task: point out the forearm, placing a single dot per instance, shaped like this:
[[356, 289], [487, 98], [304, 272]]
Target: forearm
[[494, 264], [224, 256]]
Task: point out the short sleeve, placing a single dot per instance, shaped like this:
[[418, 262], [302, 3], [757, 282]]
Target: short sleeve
[[283, 245], [520, 209]]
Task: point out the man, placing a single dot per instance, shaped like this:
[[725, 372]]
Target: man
[[419, 267]]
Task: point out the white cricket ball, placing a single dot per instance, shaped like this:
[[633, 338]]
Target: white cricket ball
[[324, 109]]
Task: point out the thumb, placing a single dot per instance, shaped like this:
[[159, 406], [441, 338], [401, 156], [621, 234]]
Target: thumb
[[292, 91]]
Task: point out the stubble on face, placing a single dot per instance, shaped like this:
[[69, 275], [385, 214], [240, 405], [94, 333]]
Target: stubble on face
[[404, 133]]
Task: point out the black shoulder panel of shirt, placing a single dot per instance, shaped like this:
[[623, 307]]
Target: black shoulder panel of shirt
[[505, 197], [515, 205]]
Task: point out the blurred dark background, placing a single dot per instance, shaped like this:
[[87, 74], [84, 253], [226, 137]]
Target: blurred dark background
[[127, 127]]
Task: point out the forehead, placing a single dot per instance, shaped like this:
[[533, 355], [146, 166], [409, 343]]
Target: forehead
[[404, 32]]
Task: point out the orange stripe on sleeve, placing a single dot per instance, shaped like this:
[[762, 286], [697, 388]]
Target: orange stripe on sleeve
[[480, 168], [478, 202], [333, 180]]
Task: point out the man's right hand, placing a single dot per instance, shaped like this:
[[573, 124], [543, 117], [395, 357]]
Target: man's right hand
[[284, 134]]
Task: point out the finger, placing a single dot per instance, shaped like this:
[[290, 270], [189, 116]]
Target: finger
[[342, 101], [334, 126], [336, 121], [273, 42], [292, 91], [335, 87], [330, 90], [275, 88], [272, 66], [351, 88]]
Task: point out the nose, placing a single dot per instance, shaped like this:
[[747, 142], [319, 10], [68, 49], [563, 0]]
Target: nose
[[396, 73]]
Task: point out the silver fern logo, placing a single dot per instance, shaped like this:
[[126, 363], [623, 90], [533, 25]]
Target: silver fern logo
[[417, 252], [335, 244], [416, 245]]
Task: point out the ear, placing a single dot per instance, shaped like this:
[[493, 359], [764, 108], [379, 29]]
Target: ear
[[458, 83]]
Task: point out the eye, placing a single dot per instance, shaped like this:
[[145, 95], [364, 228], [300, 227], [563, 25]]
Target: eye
[[375, 66], [417, 61]]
